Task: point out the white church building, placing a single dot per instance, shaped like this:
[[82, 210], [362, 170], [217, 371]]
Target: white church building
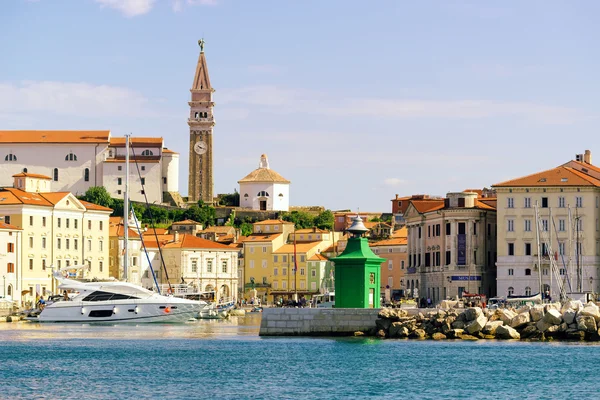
[[264, 189], [78, 160]]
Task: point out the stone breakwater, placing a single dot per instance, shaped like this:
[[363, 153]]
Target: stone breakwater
[[571, 321]]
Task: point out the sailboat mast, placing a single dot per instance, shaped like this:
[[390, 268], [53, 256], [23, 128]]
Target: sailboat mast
[[570, 264], [550, 241], [577, 252], [126, 210], [539, 252]]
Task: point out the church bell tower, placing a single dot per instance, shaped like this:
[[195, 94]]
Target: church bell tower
[[201, 122]]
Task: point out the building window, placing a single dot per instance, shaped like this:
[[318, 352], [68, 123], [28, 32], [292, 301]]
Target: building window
[[448, 228], [209, 265], [402, 264], [527, 271], [143, 181], [527, 202], [100, 265], [10, 247], [561, 248], [264, 249], [313, 286], [10, 268], [561, 202], [578, 201], [55, 175], [58, 243], [58, 222], [120, 168], [7, 219], [563, 271], [70, 157], [194, 265], [545, 271], [75, 223], [527, 249], [390, 265], [44, 222], [462, 228], [313, 273], [251, 263], [224, 266], [43, 242], [275, 258], [43, 264], [119, 181], [89, 224], [510, 202], [67, 244], [511, 272], [147, 153], [284, 271], [101, 225], [86, 174], [31, 242], [75, 245], [31, 264], [511, 249], [545, 225], [31, 221], [544, 202], [164, 180], [10, 157], [561, 225], [302, 272], [101, 245], [275, 271], [143, 167], [527, 291], [527, 225], [67, 223], [264, 263], [510, 225]]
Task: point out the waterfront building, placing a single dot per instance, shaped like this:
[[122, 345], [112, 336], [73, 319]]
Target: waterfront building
[[400, 205], [57, 229], [357, 272], [264, 189], [394, 251], [10, 262], [137, 262], [201, 122], [344, 219], [451, 246], [194, 261], [188, 226], [221, 234], [78, 160], [568, 200], [267, 236], [321, 274]]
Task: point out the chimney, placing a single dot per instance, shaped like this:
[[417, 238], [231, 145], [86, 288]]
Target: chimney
[[396, 196], [314, 228], [176, 236], [587, 157]]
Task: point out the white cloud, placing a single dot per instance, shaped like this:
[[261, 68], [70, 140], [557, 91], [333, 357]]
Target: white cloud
[[130, 8], [393, 181], [68, 98], [285, 100], [178, 5]]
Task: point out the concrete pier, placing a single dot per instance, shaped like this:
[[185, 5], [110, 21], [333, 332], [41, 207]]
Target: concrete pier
[[317, 321]]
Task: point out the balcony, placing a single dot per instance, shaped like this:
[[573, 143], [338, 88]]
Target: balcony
[[257, 285], [411, 270]]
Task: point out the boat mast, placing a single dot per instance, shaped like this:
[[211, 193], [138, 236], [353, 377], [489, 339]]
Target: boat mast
[[577, 252], [539, 249], [570, 226], [550, 239], [126, 210]]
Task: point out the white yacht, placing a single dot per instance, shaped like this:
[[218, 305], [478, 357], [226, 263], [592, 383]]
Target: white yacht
[[117, 302]]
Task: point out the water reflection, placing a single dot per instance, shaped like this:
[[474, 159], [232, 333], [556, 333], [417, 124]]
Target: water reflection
[[246, 327]]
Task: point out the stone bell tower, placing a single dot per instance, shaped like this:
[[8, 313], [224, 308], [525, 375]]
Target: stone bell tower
[[201, 122]]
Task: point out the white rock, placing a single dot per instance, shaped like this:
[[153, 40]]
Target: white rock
[[520, 320], [542, 325], [536, 312], [586, 323], [476, 325], [573, 305], [591, 310], [472, 313], [523, 309], [506, 332], [553, 317], [491, 327], [569, 315], [506, 315]]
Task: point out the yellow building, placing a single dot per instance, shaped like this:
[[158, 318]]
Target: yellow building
[[568, 198], [137, 261], [57, 229]]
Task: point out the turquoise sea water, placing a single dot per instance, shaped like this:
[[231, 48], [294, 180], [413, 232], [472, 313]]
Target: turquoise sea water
[[227, 360]]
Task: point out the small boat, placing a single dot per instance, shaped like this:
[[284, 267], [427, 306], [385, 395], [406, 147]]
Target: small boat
[[256, 309], [116, 302]]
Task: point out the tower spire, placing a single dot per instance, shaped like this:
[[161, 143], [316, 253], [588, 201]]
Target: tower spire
[[201, 78]]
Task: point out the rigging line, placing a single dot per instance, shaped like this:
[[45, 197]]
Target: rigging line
[[145, 250], [562, 257], [162, 260]]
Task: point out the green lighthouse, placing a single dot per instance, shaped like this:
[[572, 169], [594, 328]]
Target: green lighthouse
[[357, 269]]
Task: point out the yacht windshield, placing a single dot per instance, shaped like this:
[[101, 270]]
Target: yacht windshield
[[99, 295]]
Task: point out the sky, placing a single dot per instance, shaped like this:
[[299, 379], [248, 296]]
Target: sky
[[352, 101]]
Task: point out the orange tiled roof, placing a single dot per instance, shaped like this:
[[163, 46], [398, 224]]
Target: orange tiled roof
[[153, 231], [193, 242], [485, 205], [318, 257], [263, 175], [136, 142], [28, 175], [168, 151], [218, 229], [311, 230], [119, 231], [149, 159], [559, 176], [390, 242], [54, 197], [92, 206], [402, 198], [262, 237], [400, 233], [54, 136], [272, 222], [4, 225], [17, 196], [187, 222], [423, 206], [300, 247]]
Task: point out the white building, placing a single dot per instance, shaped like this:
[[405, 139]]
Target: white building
[[264, 189], [78, 160]]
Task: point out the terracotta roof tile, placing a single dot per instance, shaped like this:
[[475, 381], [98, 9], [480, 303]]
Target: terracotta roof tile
[[262, 237], [302, 247], [4, 225], [218, 229], [28, 175], [187, 242], [264, 175], [318, 257], [168, 151], [137, 141], [17, 196], [273, 222], [400, 233], [559, 176], [54, 136], [390, 242], [187, 222], [423, 206], [96, 207], [54, 197]]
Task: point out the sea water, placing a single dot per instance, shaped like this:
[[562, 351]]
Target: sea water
[[227, 360]]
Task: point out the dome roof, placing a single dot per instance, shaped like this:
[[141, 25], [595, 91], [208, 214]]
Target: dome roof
[[263, 173]]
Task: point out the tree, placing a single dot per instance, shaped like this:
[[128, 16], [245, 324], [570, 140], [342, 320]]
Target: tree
[[325, 220], [375, 219], [230, 199], [300, 219], [201, 213], [246, 229], [98, 195], [176, 214]]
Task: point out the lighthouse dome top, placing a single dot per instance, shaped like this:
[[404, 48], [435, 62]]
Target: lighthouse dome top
[[263, 173], [357, 228]]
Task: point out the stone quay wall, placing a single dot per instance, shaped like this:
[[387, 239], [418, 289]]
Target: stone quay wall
[[317, 321]]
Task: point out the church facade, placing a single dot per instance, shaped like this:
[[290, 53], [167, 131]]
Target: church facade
[[264, 189], [78, 160]]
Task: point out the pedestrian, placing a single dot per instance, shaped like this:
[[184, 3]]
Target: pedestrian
[[428, 302]]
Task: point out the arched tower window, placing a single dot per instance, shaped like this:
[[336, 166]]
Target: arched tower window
[[10, 157], [25, 170], [147, 153], [262, 193], [70, 157], [86, 175], [55, 177], [527, 291], [511, 290]]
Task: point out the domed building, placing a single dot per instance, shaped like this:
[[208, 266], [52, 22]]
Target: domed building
[[264, 189]]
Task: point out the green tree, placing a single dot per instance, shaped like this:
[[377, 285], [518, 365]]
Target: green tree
[[202, 213], [98, 195], [375, 219], [230, 199], [176, 214], [325, 220], [300, 219], [246, 229]]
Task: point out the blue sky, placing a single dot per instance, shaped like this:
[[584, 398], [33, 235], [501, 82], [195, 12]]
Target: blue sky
[[352, 101]]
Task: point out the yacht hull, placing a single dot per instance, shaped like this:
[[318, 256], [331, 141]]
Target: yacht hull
[[119, 311]]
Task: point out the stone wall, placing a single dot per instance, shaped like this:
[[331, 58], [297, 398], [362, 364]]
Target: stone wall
[[317, 321]]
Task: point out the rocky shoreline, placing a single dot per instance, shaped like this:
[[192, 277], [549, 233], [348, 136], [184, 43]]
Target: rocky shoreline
[[572, 321]]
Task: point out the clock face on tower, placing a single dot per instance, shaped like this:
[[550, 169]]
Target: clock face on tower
[[200, 147]]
